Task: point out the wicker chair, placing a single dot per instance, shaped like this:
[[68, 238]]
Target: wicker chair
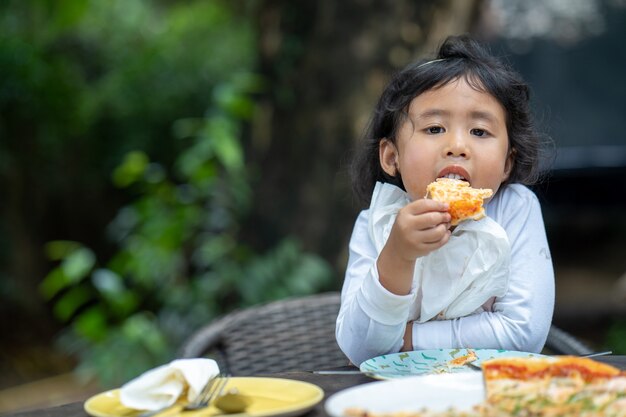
[[296, 334], [284, 335], [562, 343]]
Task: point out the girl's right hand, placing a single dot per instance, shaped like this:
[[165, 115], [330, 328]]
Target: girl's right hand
[[420, 227]]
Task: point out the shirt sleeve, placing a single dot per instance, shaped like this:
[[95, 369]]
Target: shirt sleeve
[[372, 320], [521, 319]]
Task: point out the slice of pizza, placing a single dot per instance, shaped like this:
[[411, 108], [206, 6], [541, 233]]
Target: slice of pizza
[[465, 202], [564, 385]]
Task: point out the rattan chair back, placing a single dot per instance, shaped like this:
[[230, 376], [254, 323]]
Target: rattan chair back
[[561, 342], [284, 335]]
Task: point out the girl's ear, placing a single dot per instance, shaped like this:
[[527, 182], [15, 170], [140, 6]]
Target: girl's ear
[[388, 155], [509, 164]]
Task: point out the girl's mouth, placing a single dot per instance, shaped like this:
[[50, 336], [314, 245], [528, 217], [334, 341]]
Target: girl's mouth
[[454, 177], [455, 172]]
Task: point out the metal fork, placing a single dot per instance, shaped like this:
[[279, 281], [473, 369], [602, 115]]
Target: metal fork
[[209, 393], [206, 396]]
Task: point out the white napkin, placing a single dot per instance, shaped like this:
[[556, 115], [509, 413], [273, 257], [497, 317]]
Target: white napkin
[[162, 386], [458, 278]]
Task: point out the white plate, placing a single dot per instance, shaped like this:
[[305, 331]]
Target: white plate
[[436, 392], [421, 362]]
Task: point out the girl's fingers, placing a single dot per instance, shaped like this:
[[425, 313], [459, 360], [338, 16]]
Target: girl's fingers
[[411, 242], [425, 205], [424, 214], [434, 235], [429, 220], [421, 227]]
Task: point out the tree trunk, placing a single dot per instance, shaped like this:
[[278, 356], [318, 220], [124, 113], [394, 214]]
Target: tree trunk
[[327, 63]]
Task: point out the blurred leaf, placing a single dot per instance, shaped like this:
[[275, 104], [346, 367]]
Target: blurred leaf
[[308, 275], [59, 249], [111, 286], [222, 134], [143, 330], [68, 12], [284, 271], [187, 128], [92, 324], [131, 170], [229, 99], [616, 337], [125, 304], [155, 173], [70, 302], [77, 265], [54, 282], [108, 283], [212, 249]]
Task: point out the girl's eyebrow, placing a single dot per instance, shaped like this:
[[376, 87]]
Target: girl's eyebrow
[[432, 113], [474, 115], [485, 116]]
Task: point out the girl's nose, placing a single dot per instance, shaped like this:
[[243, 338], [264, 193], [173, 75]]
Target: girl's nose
[[457, 146]]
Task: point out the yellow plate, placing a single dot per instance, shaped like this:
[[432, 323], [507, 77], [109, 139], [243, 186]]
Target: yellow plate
[[270, 397]]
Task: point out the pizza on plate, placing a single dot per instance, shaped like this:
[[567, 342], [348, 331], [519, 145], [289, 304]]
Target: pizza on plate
[[538, 387], [464, 201], [560, 386]]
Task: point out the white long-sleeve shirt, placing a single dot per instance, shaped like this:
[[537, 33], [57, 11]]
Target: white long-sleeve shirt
[[372, 320]]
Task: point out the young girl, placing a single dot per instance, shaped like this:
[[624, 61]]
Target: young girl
[[462, 115]]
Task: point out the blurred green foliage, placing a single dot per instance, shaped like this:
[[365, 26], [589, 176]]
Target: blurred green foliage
[[616, 337], [157, 94]]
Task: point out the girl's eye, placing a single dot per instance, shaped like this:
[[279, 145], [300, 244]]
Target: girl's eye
[[434, 130], [478, 132]]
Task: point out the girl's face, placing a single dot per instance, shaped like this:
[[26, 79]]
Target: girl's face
[[452, 131]]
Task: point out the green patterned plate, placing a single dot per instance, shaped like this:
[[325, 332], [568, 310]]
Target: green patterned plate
[[434, 361]]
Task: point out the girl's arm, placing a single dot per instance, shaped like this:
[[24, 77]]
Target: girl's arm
[[377, 290], [372, 320], [521, 319]]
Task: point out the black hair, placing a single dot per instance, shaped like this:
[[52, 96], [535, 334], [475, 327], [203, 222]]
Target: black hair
[[458, 56]]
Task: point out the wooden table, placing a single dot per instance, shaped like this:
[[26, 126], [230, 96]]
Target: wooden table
[[329, 383]]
